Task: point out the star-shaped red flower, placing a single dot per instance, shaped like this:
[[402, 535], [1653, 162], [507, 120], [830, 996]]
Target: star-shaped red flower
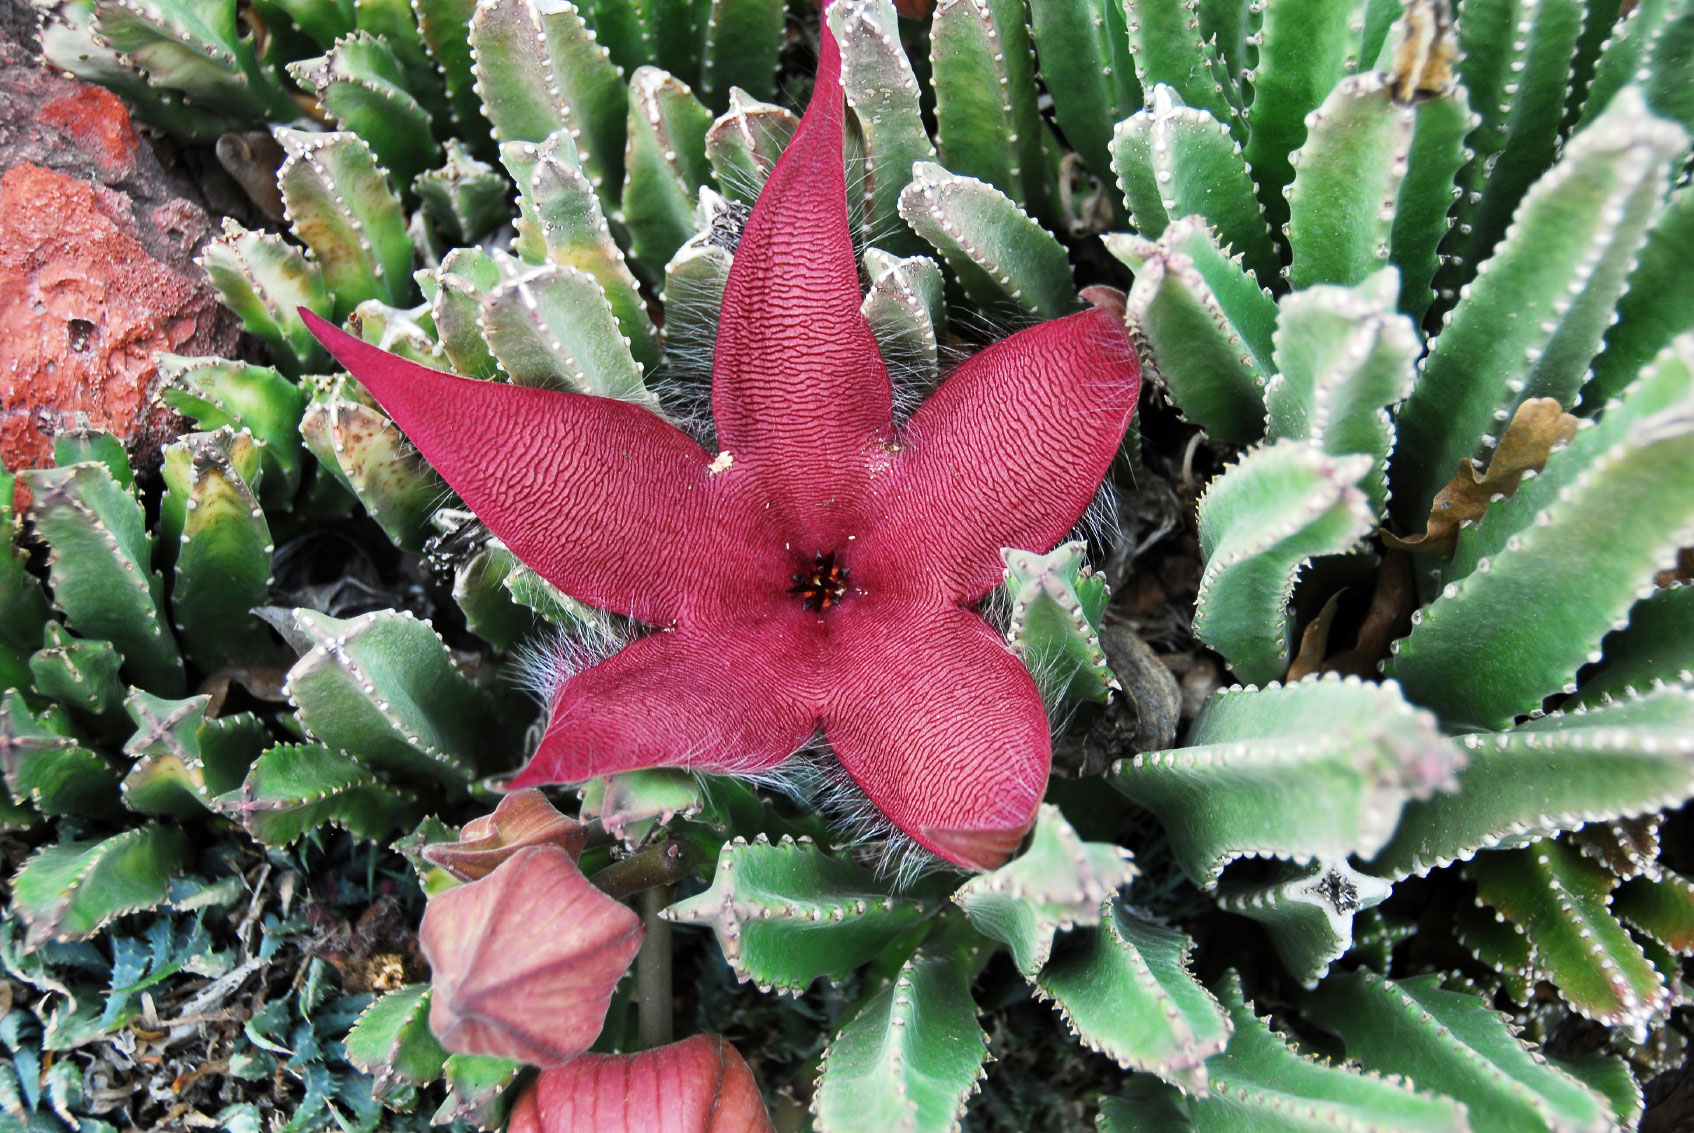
[[819, 572]]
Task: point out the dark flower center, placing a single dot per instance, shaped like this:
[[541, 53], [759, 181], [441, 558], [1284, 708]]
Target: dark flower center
[[821, 582]]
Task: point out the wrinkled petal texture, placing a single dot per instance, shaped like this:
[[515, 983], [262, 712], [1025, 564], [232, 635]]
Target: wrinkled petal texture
[[937, 721], [599, 496], [699, 1085], [799, 391], [524, 961], [923, 704], [1006, 453], [732, 700], [522, 819]]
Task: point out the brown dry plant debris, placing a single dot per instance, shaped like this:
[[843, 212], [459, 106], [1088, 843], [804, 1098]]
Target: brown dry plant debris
[[1538, 428]]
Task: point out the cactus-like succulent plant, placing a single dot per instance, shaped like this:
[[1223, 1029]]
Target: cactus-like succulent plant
[[1406, 278]]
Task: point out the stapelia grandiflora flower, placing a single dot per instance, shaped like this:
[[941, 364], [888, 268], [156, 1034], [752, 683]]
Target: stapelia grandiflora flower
[[524, 961], [523, 818], [699, 1085], [820, 571]]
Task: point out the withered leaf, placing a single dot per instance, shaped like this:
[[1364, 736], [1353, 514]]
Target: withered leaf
[[1423, 53], [1313, 641], [1539, 426]]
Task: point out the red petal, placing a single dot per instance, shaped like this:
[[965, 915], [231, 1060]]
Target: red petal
[[525, 960], [699, 1085], [522, 818], [600, 497], [940, 725], [799, 391], [1007, 453], [728, 698]]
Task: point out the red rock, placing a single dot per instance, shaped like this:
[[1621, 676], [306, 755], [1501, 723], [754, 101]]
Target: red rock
[[97, 273]]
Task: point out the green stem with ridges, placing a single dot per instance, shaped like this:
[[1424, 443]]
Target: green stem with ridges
[[1347, 179], [463, 280], [987, 123], [1128, 993], [1343, 358], [1308, 912], [1652, 47], [1059, 883], [665, 163], [540, 71], [196, 49], [465, 199], [1261, 522], [553, 327], [391, 1041], [1202, 325], [1291, 793], [360, 85], [998, 252], [99, 555], [1425, 200], [444, 27], [1658, 305], [266, 282], [357, 445], [1656, 645], [1174, 161], [1560, 772], [1559, 898], [1459, 1045], [1165, 44], [744, 143], [1094, 86], [223, 557], [909, 1058], [45, 764], [1305, 48], [1533, 319], [293, 789], [785, 913], [1259, 1082], [383, 685], [182, 758], [340, 204], [739, 49], [906, 313], [884, 94], [71, 890], [78, 672], [1566, 573], [1515, 60]]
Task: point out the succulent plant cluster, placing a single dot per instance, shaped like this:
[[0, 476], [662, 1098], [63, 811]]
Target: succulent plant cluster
[[1410, 280]]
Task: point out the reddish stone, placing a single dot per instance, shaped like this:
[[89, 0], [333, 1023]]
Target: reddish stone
[[97, 116], [97, 272]]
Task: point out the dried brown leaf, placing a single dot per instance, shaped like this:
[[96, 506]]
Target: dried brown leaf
[[1539, 426], [1424, 52], [1313, 641]]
